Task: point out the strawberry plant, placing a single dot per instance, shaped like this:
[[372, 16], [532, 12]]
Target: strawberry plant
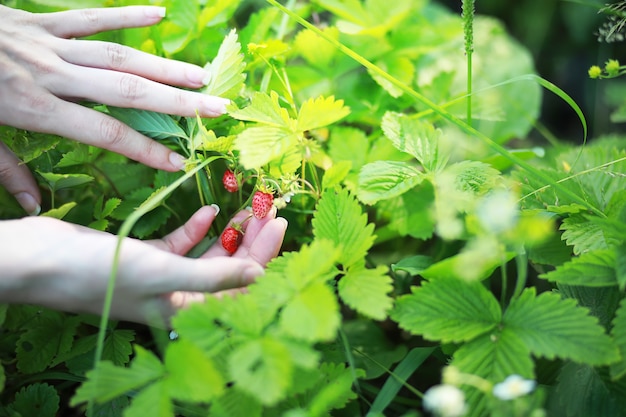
[[439, 260]]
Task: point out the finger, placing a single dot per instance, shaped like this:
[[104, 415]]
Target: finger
[[267, 242], [94, 128], [181, 240], [85, 22], [129, 90], [175, 273], [112, 56], [18, 180]]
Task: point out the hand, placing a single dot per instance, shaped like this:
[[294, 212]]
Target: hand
[[66, 267], [43, 70]]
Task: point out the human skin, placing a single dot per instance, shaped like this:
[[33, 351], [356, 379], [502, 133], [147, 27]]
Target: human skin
[[66, 267], [45, 70]]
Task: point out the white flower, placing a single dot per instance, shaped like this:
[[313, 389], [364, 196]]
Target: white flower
[[498, 211], [445, 401], [173, 335], [512, 387]]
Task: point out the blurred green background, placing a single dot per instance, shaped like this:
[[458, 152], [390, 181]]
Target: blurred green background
[[562, 37]]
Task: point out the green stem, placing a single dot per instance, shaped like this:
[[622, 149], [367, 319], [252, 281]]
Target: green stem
[[468, 30], [444, 114], [148, 205], [522, 273]]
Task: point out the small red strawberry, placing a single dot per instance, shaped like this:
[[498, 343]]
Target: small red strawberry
[[262, 202], [231, 238], [230, 181]]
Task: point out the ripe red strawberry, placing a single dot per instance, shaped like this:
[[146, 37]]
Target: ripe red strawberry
[[231, 238], [230, 181], [262, 202]]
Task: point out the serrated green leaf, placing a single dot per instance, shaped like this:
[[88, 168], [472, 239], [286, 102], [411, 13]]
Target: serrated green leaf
[[29, 146], [338, 217], [264, 109], [151, 401], [216, 12], [40, 400], [198, 324], [492, 356], [152, 124], [61, 181], [207, 140], [415, 137], [618, 369], [51, 334], [312, 315], [336, 174], [335, 390], [411, 214], [262, 369], [382, 180], [235, 402], [191, 375], [259, 145], [448, 310], [108, 381], [596, 269], [554, 327], [226, 70], [367, 291], [59, 212], [320, 112], [583, 390], [583, 235], [118, 346], [82, 155], [110, 205]]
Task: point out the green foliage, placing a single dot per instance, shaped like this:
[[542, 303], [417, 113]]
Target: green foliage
[[424, 246]]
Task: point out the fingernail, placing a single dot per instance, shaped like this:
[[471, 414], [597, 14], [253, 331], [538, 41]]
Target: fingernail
[[216, 208], [178, 161], [155, 11], [28, 203], [198, 75], [215, 106], [283, 221], [252, 273]]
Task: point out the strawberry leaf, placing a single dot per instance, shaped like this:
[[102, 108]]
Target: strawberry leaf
[[191, 376], [415, 137], [447, 309], [595, 269], [320, 112], [226, 70], [492, 356], [108, 381], [38, 399], [312, 314], [618, 369], [264, 109], [262, 369], [382, 180], [50, 334], [258, 146], [367, 291], [152, 124], [339, 218], [554, 327], [152, 401]]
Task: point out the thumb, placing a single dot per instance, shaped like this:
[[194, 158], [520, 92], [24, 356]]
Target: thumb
[[17, 179]]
